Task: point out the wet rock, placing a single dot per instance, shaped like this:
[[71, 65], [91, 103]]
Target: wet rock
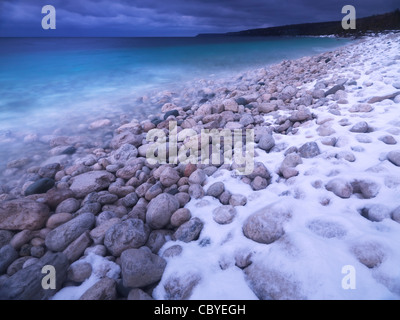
[[160, 210], [70, 205], [21, 214], [40, 186], [189, 231], [59, 238], [58, 219], [5, 237], [131, 233], [91, 181], [140, 267], [8, 255]]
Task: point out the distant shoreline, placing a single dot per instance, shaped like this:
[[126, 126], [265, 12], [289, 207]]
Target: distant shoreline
[[384, 23]]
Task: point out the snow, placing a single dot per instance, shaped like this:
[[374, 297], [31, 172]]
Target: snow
[[100, 267], [312, 258]]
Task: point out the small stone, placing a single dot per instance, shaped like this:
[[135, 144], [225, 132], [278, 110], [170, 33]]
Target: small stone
[[104, 289], [8, 254], [230, 105], [225, 197], [97, 234], [138, 294], [396, 214], [183, 198], [169, 177], [238, 200], [160, 210], [131, 233], [58, 219], [79, 271], [196, 191], [180, 216], [360, 127], [173, 251], [334, 89], [394, 157], [59, 238], [70, 205], [346, 155], [189, 231], [340, 187], [309, 150], [224, 214], [267, 142], [197, 177], [370, 254], [388, 139], [5, 237], [157, 239], [21, 238], [40, 186], [216, 189], [259, 183], [367, 188], [377, 212], [361, 107], [91, 181]]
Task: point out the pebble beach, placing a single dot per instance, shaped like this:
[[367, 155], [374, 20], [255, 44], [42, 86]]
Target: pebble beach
[[323, 195]]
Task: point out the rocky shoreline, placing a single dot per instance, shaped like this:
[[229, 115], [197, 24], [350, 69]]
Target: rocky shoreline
[[101, 200]]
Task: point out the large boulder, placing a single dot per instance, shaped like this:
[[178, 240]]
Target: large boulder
[[141, 267], [160, 210], [22, 214], [92, 181]]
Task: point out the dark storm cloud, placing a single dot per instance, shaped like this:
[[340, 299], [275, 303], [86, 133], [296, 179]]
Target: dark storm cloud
[[173, 17]]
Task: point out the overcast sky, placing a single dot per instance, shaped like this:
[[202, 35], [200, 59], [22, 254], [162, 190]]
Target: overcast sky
[[172, 17]]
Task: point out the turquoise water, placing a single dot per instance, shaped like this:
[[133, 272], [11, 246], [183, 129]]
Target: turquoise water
[[46, 81]]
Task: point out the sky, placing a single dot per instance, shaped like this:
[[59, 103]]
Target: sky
[[172, 17]]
